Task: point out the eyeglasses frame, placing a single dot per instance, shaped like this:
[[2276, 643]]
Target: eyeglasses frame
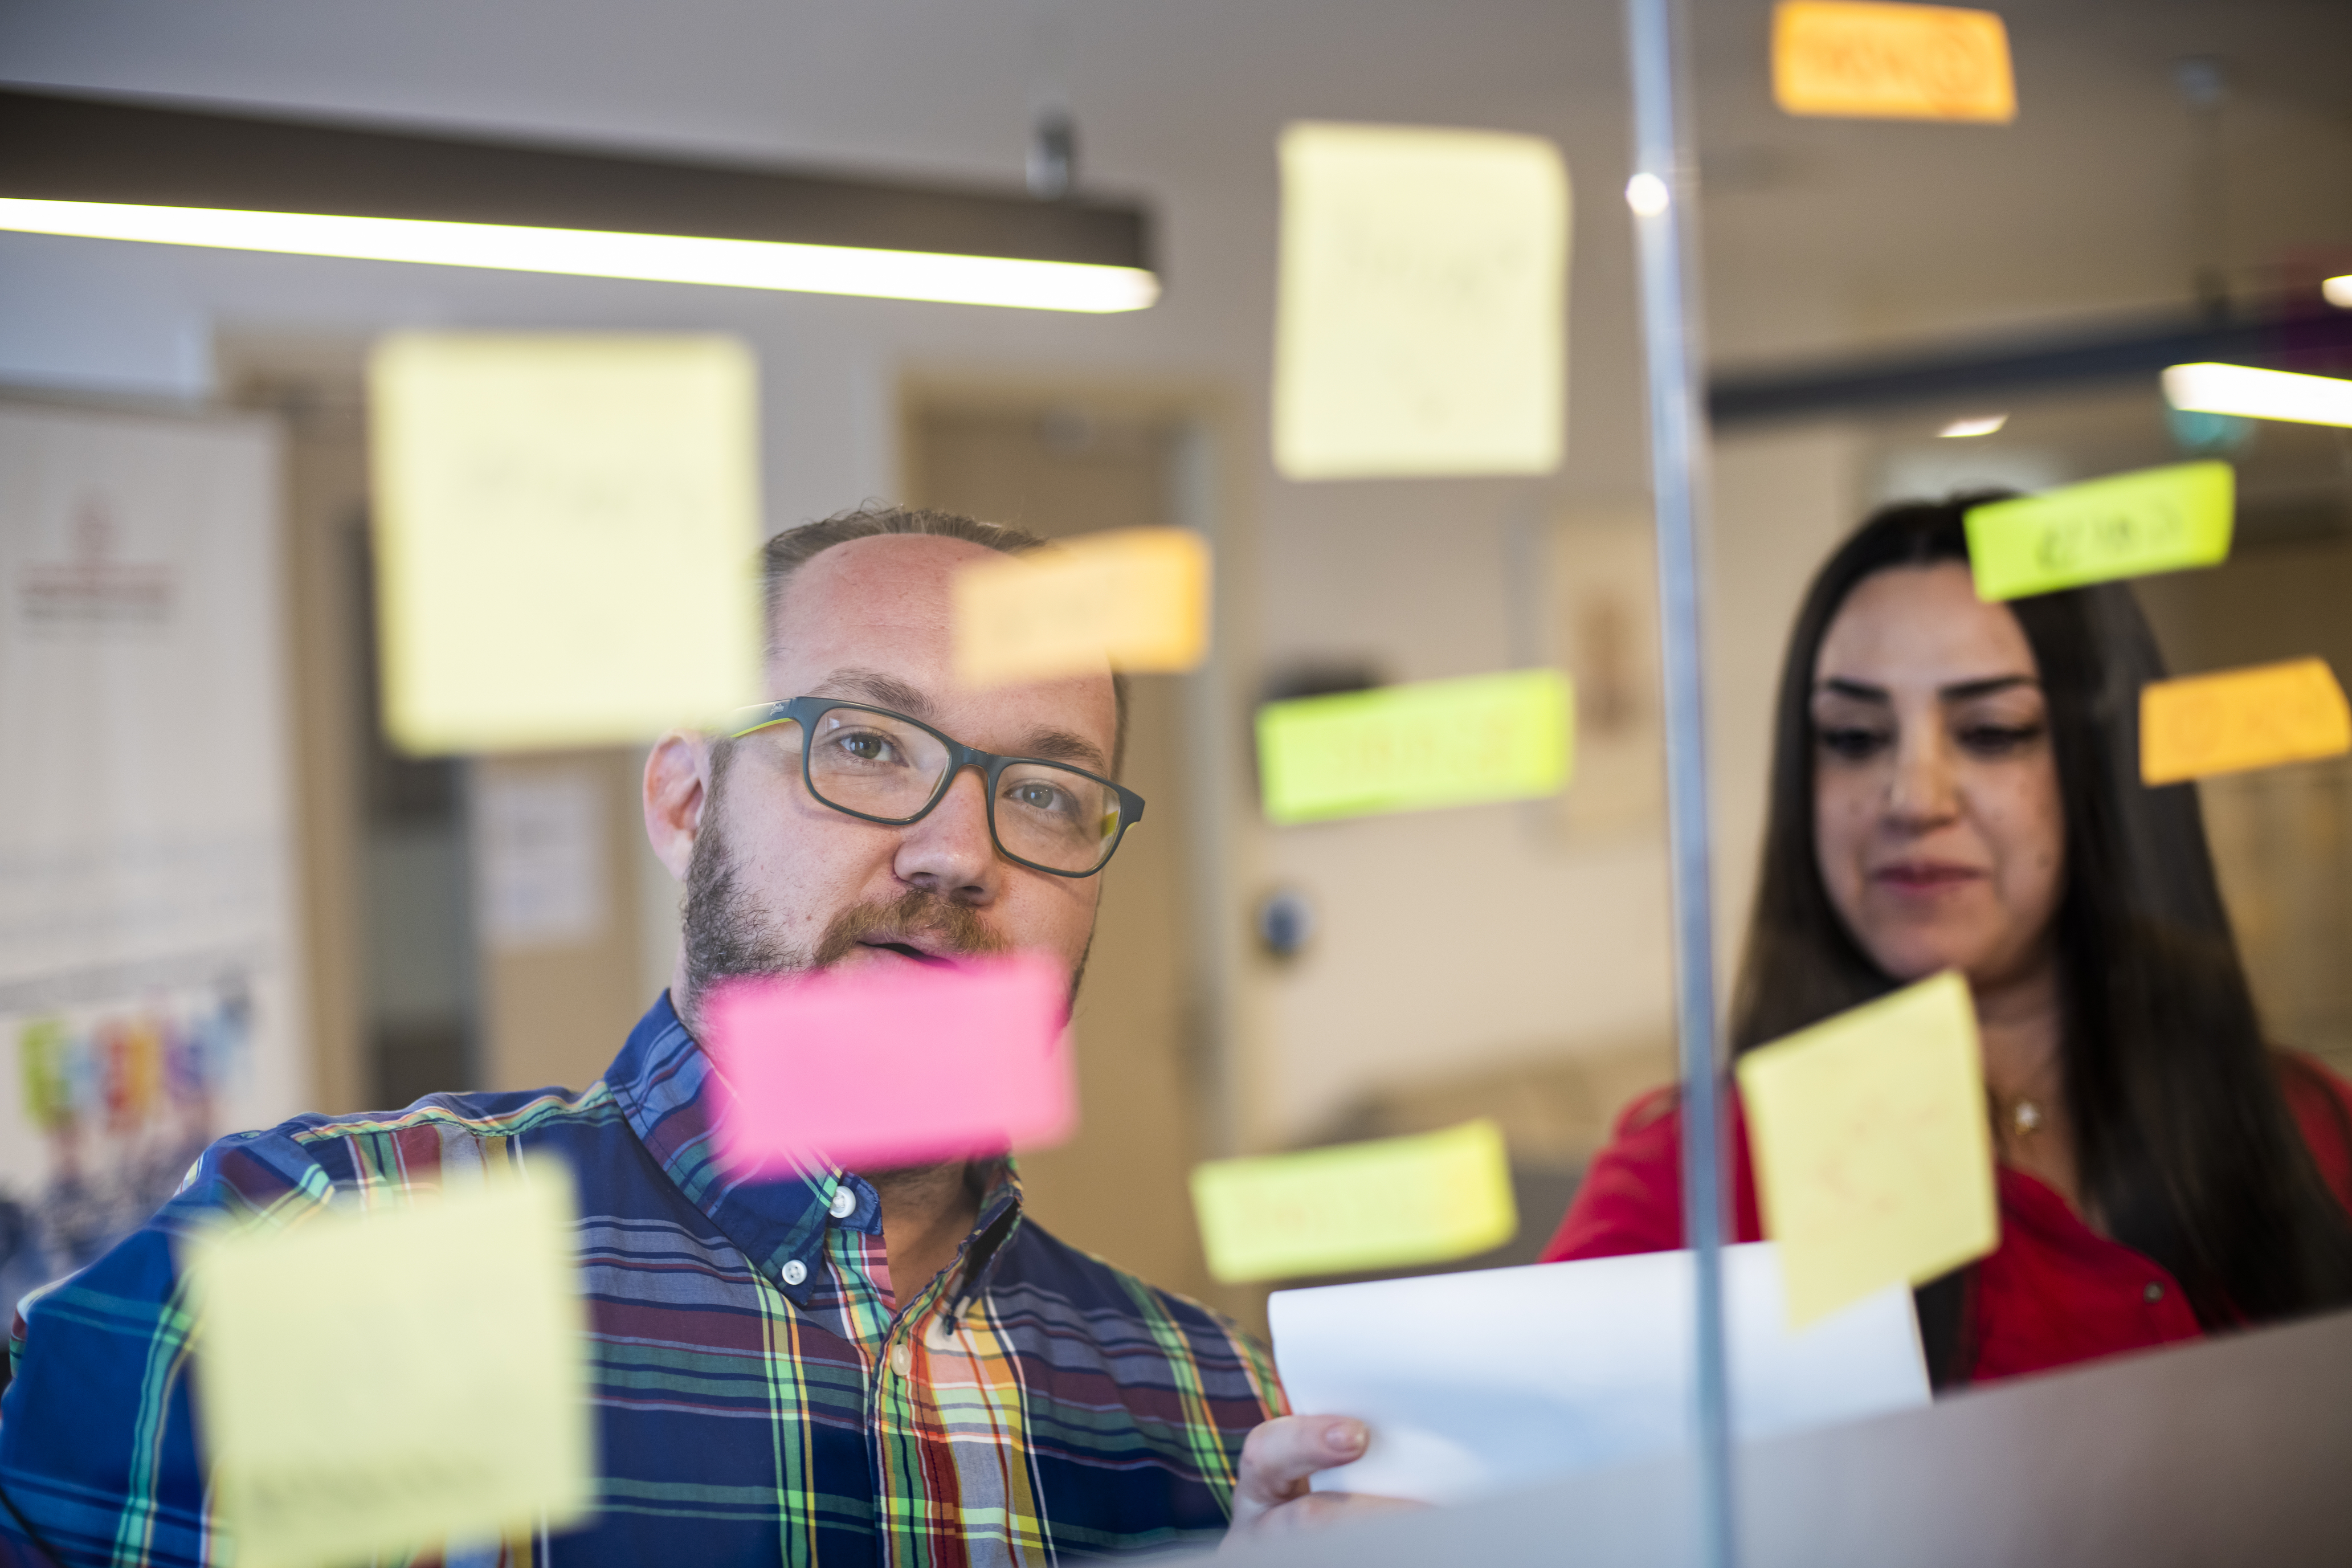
[[803, 712]]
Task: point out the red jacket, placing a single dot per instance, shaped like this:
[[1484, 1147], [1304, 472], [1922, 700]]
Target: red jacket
[[2054, 1292]]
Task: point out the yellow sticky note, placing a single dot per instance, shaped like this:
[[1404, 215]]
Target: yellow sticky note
[[1137, 597], [2239, 718], [462, 1313], [1874, 1158], [1383, 1205], [1891, 62], [564, 533], [2156, 519], [1422, 326], [1411, 748]]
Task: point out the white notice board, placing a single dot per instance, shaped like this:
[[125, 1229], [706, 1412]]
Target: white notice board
[[148, 991]]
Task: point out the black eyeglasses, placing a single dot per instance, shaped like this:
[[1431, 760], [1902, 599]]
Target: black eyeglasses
[[880, 766]]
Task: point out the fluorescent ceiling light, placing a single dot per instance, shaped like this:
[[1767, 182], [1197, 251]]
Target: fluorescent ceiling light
[[168, 174], [2259, 393], [1984, 424], [2338, 290], [653, 257]]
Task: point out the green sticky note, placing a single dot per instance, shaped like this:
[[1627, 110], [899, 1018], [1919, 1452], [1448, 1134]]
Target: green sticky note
[[2157, 520], [1410, 748], [377, 1383], [1382, 1205], [565, 531]]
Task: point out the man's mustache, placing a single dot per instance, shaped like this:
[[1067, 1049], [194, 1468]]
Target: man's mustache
[[916, 917]]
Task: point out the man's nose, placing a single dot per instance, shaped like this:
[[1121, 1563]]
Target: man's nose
[[1924, 791], [949, 851]]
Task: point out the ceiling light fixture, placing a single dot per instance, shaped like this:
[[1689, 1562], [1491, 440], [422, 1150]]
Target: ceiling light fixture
[[1983, 425], [2254, 394], [2338, 290], [124, 172]]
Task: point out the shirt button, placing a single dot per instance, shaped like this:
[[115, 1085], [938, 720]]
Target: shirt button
[[795, 1271], [844, 1202], [2153, 1294], [902, 1360]]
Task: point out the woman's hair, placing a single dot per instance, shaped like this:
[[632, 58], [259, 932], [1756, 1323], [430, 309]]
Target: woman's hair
[[2184, 1144]]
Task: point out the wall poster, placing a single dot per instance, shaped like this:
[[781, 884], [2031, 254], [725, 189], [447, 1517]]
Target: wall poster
[[149, 992]]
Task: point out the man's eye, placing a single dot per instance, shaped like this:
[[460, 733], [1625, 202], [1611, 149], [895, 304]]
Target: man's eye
[[1999, 740], [865, 746], [1038, 796], [1854, 744]]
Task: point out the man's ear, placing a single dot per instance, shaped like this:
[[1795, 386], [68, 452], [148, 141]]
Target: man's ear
[[677, 782]]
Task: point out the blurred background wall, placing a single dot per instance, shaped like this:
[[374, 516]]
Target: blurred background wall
[[1507, 960]]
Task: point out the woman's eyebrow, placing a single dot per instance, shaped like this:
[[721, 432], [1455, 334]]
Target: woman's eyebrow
[[1837, 686], [1963, 690]]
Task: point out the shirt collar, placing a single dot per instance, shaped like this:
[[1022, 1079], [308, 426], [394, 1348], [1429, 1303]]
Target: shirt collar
[[672, 1097]]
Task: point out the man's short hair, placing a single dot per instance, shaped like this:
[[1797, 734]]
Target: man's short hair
[[788, 552]]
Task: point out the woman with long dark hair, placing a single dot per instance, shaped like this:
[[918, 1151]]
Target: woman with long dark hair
[[1956, 785]]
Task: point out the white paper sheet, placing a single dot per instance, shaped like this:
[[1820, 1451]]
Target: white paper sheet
[[1478, 1381]]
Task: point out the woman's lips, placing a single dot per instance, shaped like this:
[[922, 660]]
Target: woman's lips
[[1925, 875]]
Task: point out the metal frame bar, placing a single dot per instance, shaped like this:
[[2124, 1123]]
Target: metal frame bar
[[1663, 232]]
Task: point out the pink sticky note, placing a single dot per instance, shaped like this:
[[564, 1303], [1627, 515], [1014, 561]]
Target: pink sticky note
[[876, 1067]]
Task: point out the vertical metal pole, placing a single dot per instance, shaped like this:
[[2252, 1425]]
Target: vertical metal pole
[[1661, 194]]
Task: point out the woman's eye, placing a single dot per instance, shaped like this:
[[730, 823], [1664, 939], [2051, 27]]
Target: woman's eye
[[1999, 740], [1852, 745], [864, 746]]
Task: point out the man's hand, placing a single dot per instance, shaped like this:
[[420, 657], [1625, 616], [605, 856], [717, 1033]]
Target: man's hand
[[1271, 1497]]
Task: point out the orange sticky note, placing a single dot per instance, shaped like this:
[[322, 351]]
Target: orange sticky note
[[1870, 62], [1135, 597], [1873, 1162], [2253, 717]]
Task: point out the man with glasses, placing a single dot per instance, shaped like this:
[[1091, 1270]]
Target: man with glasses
[[835, 1365]]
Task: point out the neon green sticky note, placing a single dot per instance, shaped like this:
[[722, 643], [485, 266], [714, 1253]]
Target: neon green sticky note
[[1873, 1159], [1422, 324], [2157, 520], [564, 532], [461, 1312], [1382, 1205], [1411, 748]]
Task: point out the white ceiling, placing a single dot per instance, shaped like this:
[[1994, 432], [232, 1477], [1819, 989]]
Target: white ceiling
[[1821, 233]]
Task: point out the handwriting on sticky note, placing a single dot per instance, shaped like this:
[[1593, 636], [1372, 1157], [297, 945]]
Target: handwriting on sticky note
[[565, 529], [1891, 62], [1873, 1161], [463, 1305], [1382, 1205], [2240, 719], [1137, 598], [892, 1062], [1422, 324], [2131, 525], [1412, 748]]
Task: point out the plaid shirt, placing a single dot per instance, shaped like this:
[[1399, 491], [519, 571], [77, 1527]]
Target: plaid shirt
[[1031, 1403]]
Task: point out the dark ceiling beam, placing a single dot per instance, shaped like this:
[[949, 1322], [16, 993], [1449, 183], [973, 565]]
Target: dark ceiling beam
[[55, 147], [2296, 336]]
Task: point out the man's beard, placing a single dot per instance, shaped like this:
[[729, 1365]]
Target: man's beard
[[726, 937]]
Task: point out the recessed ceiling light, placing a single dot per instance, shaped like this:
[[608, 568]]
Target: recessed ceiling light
[[1981, 425], [2338, 290], [2254, 394]]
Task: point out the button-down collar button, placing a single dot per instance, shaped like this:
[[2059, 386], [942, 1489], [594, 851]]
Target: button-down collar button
[[902, 1360], [845, 1201], [795, 1271], [2153, 1293]]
